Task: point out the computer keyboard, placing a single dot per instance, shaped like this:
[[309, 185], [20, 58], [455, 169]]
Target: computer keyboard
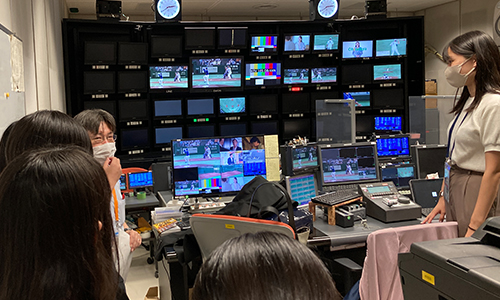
[[332, 188], [334, 198]]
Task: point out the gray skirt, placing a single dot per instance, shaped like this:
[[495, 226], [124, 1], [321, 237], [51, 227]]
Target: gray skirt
[[464, 189]]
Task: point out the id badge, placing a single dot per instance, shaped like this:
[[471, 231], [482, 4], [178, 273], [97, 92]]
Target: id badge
[[446, 189]]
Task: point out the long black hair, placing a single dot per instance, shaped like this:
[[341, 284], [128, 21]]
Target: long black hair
[[481, 47], [51, 244], [264, 266]]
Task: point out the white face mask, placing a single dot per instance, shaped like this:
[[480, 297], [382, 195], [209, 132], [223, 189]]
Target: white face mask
[[454, 77], [102, 152]]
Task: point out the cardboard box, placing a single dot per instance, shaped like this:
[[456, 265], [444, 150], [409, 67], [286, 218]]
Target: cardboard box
[[152, 293], [430, 89]]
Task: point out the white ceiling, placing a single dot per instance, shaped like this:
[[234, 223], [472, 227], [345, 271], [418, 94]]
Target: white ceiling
[[216, 10]]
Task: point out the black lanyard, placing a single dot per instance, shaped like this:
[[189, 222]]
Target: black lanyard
[[448, 154]]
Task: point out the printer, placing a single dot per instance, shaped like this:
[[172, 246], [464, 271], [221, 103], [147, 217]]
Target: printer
[[461, 268]]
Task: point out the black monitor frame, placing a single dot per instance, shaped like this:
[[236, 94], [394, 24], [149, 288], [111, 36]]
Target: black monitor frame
[[307, 51], [325, 50], [140, 60], [265, 53], [201, 31], [89, 61], [233, 29], [175, 40], [209, 88]]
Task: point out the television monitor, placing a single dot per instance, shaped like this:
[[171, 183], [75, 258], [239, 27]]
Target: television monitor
[[109, 106], [232, 105], [429, 159], [393, 146], [387, 72], [166, 46], [99, 53], [200, 107], [296, 127], [140, 180], [390, 123], [297, 43], [390, 47], [364, 124], [99, 82], [168, 108], [304, 157], [199, 38], [216, 73], [357, 74], [263, 74], [349, 163], [134, 138], [132, 109], [302, 188], [132, 53], [361, 98], [388, 98], [357, 49], [295, 103], [268, 127], [399, 174], [227, 129], [324, 75], [123, 182], [201, 131], [164, 135], [202, 166], [326, 42], [296, 76], [232, 38], [132, 81], [263, 104], [168, 77], [264, 45]]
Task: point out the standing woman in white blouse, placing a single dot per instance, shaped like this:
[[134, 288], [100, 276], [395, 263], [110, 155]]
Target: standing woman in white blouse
[[474, 134]]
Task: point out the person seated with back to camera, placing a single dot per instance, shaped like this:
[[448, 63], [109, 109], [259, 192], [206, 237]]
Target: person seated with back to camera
[[264, 266]]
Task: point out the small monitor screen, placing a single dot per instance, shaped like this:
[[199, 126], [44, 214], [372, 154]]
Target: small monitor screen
[[296, 127], [270, 127], [163, 135], [302, 188], [140, 179], [132, 81], [168, 108], [399, 174], [211, 73], [388, 123], [232, 38], [103, 53], [133, 110], [393, 146], [263, 104], [200, 38], [387, 72], [388, 98], [109, 106], [324, 75], [361, 99], [232, 105], [304, 157], [134, 138], [326, 42], [200, 107], [201, 131], [263, 74], [354, 74], [349, 164], [295, 103], [98, 82], [390, 47], [168, 77], [430, 160], [166, 46], [132, 53], [264, 45], [296, 76], [123, 182], [357, 49], [297, 43], [233, 129], [364, 124]]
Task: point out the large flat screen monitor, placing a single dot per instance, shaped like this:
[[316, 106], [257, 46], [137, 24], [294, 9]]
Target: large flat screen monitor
[[132, 53], [136, 138], [228, 129], [324, 75], [388, 98], [168, 77], [296, 127], [232, 105], [349, 163], [98, 82], [392, 146], [263, 104], [200, 107], [208, 166], [132, 109], [295, 103], [99, 53], [357, 49], [109, 106], [297, 43], [211, 73], [201, 131], [357, 74], [387, 72], [199, 38], [132, 81], [391, 123], [168, 108], [296, 76], [166, 46], [264, 45], [263, 74], [164, 135], [326, 42], [232, 38], [267, 127], [390, 47]]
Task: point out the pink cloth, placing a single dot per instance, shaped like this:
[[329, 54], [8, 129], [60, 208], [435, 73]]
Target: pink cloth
[[380, 277]]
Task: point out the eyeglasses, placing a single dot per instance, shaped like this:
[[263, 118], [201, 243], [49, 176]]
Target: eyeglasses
[[97, 140]]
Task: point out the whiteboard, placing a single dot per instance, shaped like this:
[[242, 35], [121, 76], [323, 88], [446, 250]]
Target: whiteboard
[[12, 108]]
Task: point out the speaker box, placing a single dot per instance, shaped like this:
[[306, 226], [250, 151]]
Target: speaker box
[[162, 179], [496, 24], [108, 9], [376, 8]]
